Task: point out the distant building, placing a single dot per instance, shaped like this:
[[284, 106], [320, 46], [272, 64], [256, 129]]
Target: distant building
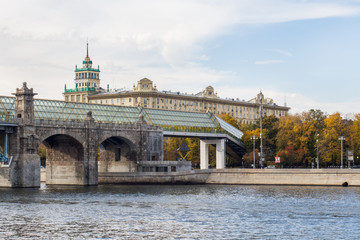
[[145, 94], [87, 81]]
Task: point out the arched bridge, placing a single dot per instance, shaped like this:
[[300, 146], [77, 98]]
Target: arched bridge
[[83, 140]]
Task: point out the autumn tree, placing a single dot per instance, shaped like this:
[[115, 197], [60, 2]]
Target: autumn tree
[[355, 136], [291, 156], [270, 131], [312, 124], [329, 143], [229, 119]]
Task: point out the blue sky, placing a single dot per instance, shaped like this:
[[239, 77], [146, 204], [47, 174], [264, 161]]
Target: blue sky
[[306, 52]]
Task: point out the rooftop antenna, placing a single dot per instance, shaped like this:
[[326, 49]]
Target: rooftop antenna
[[87, 48], [285, 101]]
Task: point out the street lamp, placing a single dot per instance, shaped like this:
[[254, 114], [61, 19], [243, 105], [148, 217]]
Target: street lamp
[[317, 150], [261, 130], [341, 138], [254, 138]]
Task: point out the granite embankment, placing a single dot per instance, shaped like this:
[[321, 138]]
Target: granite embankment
[[306, 177]]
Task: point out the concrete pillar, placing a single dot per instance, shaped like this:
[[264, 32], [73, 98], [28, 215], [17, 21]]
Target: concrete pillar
[[220, 154], [204, 154]]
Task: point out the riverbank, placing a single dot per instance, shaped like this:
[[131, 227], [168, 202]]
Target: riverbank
[[300, 177]]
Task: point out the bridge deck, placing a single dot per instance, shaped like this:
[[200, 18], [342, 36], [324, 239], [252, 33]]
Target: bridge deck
[[183, 123]]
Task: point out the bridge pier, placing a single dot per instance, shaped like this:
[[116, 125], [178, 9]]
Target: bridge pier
[[26, 170], [220, 153]]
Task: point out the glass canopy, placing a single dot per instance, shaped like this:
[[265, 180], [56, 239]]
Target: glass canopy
[[169, 120]]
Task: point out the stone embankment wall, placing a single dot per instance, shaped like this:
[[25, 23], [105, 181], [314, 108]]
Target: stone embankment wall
[[4, 176], [306, 177]]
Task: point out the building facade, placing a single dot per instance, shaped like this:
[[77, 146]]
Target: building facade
[[87, 81], [145, 94]]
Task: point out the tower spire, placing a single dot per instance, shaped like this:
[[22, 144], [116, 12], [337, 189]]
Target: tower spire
[[87, 49]]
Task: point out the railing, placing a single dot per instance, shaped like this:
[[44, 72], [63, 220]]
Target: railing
[[53, 122], [192, 129], [98, 124], [200, 130], [84, 89]]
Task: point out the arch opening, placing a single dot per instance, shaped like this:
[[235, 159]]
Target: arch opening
[[117, 154], [62, 160]]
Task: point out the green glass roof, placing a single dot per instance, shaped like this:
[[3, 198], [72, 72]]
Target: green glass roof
[[171, 120], [7, 109]]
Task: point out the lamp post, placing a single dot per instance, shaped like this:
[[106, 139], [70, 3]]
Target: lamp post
[[261, 130], [317, 151], [254, 138], [341, 138]]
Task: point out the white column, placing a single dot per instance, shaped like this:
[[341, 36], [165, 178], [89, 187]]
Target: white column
[[220, 154], [204, 155]]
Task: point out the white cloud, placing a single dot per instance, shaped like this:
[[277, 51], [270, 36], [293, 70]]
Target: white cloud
[[264, 62], [42, 40], [175, 29], [283, 52], [296, 101]]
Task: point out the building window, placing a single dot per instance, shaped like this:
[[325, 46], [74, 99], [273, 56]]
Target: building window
[[78, 98], [129, 99]]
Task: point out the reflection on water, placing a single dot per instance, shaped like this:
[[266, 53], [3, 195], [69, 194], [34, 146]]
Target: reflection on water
[[190, 212]]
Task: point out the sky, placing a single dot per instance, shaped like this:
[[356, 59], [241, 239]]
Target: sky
[[302, 53]]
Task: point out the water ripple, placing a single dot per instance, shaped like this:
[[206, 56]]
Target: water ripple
[[180, 212]]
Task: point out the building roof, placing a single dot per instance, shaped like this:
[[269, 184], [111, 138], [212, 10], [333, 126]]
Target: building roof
[[111, 93]]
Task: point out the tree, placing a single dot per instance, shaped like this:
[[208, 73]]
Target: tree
[[229, 119], [171, 145], [329, 143], [288, 133], [312, 123], [291, 156], [355, 137], [270, 131]]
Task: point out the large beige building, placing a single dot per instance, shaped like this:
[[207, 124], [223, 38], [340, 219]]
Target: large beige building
[[145, 94]]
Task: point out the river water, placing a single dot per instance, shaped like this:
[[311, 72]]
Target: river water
[[180, 212]]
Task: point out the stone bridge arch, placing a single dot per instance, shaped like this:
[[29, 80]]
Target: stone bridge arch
[[64, 158], [117, 153], [43, 134]]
